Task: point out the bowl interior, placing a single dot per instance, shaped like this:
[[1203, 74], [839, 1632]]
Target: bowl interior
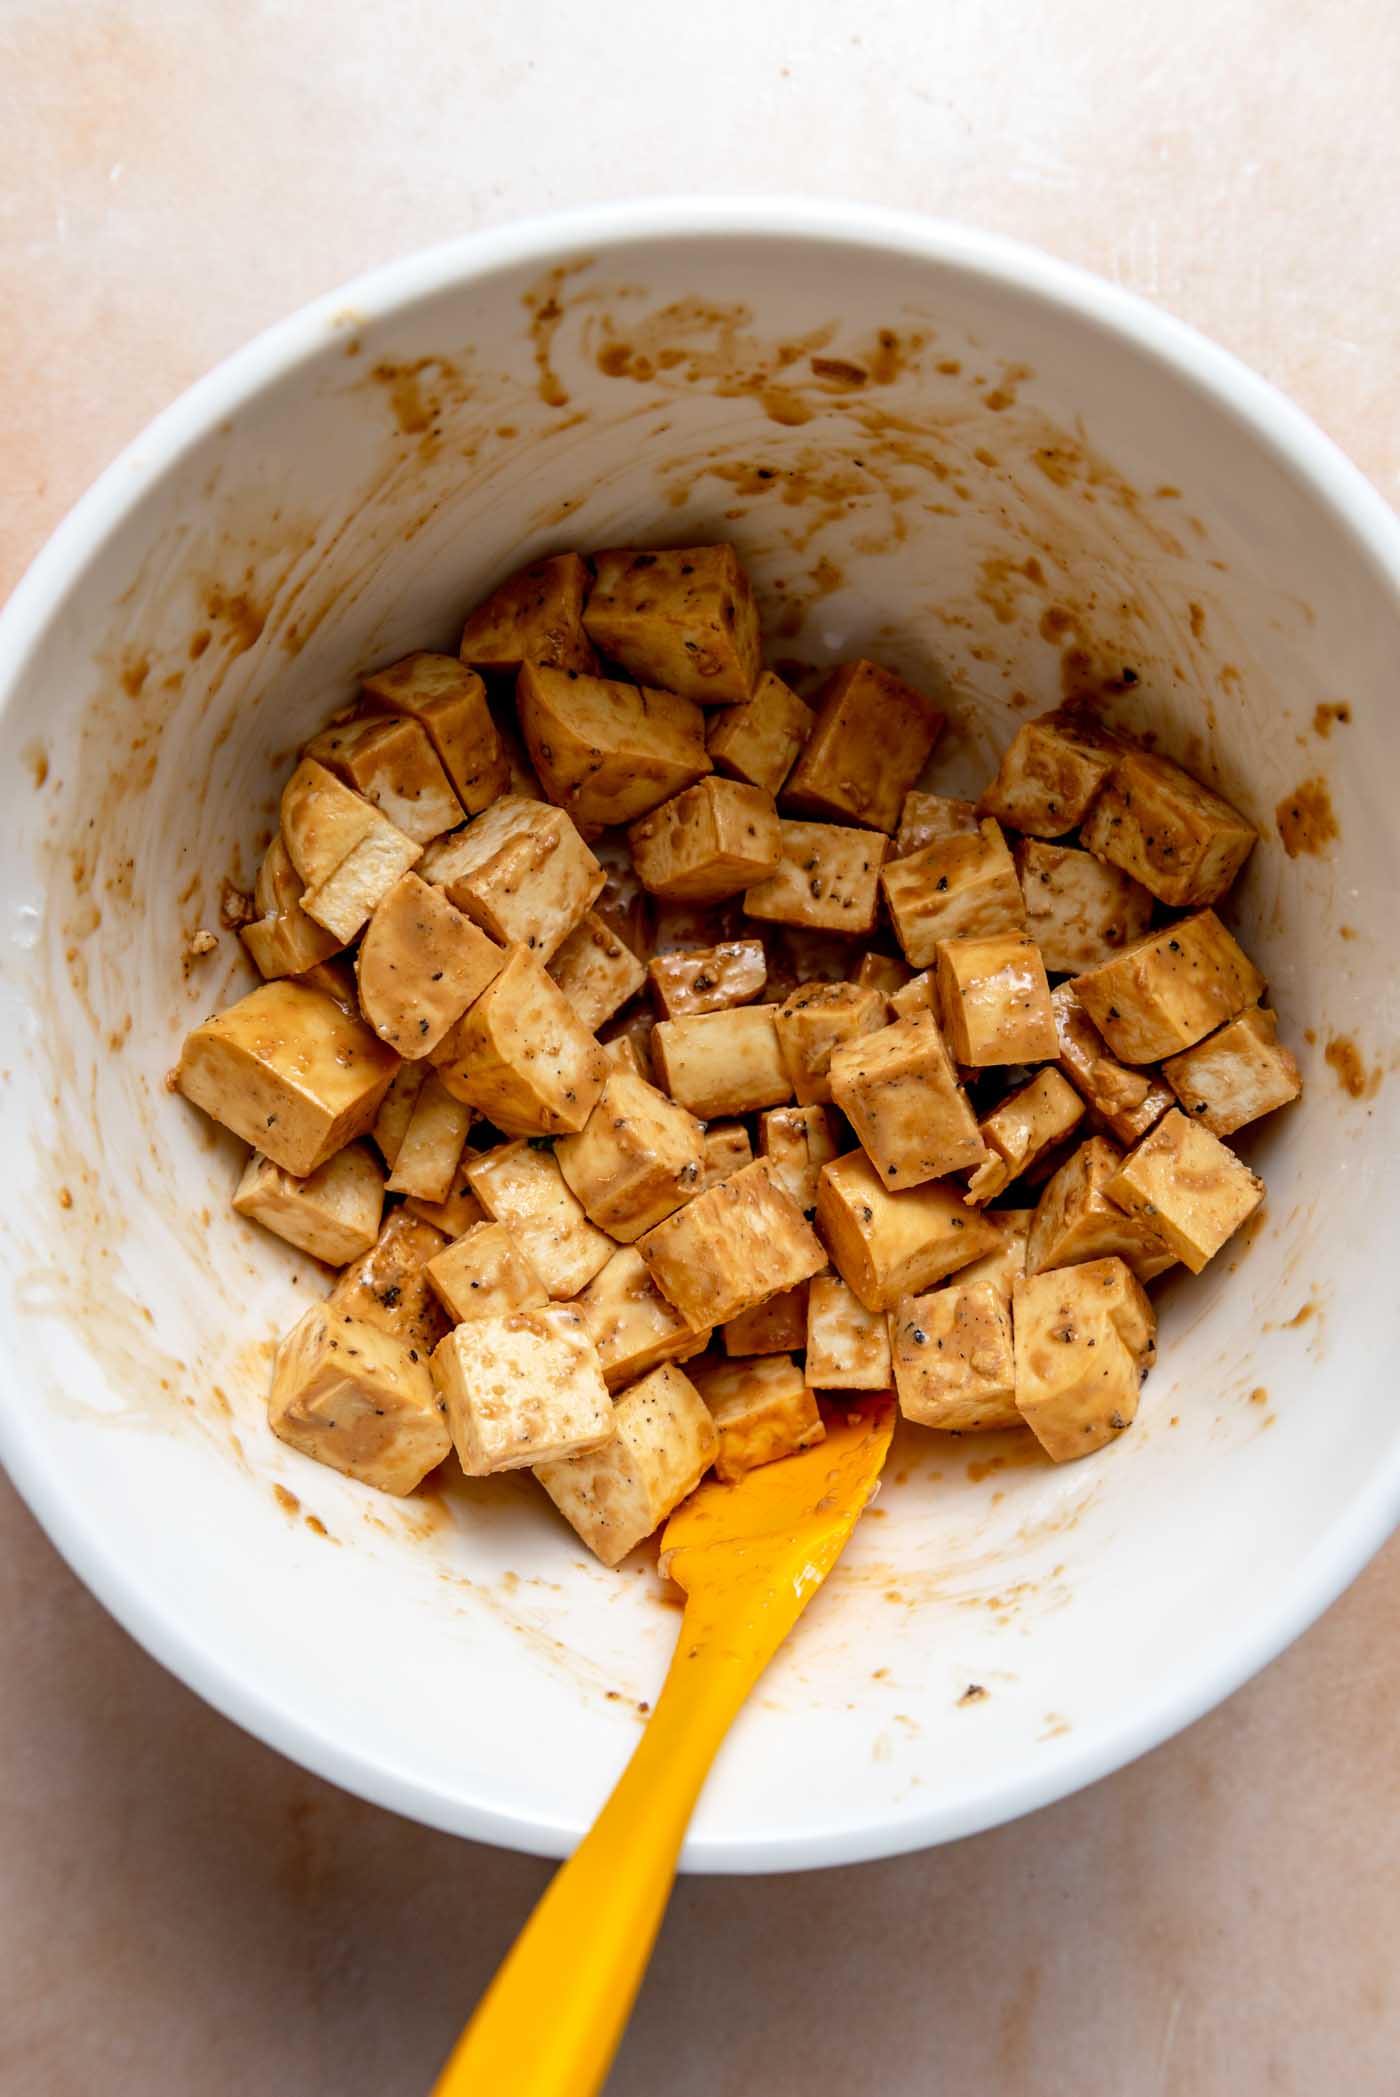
[[923, 459]]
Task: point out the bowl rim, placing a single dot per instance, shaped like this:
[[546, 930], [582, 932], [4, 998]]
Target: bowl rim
[[1336, 1556]]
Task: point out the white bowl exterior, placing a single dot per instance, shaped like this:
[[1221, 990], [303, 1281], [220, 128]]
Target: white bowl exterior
[[330, 499]]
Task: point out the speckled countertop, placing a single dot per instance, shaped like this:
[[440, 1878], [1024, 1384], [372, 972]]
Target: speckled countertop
[[186, 1912]]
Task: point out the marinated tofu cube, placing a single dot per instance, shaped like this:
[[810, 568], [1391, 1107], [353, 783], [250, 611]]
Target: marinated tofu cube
[[1075, 1221], [797, 956], [358, 1399], [709, 842], [630, 1322], [1079, 910], [916, 997], [523, 1387], [426, 1161], [522, 1058], [1180, 839], [523, 1187], [925, 818], [394, 765], [347, 853], [391, 1123], [623, 904], [664, 1442], [333, 1213], [608, 752], [485, 1274], [1127, 1101], [825, 878], [722, 1062], [708, 979], [288, 1071], [872, 737], [848, 1347], [758, 740], [1085, 1338], [449, 701], [882, 972], [461, 1208], [886, 1245], [596, 971], [520, 871], [388, 1286], [995, 1001], [1236, 1074], [534, 616], [1168, 991], [954, 1361], [726, 1150], [731, 1248], [638, 1157], [1188, 1187], [901, 1094], [684, 619], [421, 963], [1048, 779], [959, 887], [1022, 1129], [335, 979], [348, 897], [627, 1045], [796, 1142], [776, 1327], [763, 1411], [814, 1023], [283, 940], [1004, 1266]]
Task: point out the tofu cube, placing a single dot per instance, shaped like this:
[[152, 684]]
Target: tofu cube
[[534, 616], [758, 740], [1181, 840], [348, 897], [722, 1062], [461, 1208], [886, 1245], [627, 1045], [358, 1399], [901, 1094], [959, 887], [637, 1158], [763, 1411], [796, 1142], [394, 765], [521, 1057], [597, 971], [1236, 1074], [333, 1213], [1168, 991], [1005, 1264], [995, 1001], [872, 737], [421, 963], [335, 979], [1085, 1338], [776, 1327], [346, 852], [925, 818], [665, 1441], [1048, 779], [715, 839], [1188, 1187], [824, 877], [1127, 1101], [449, 701], [882, 972], [684, 619], [917, 996], [1079, 910], [1075, 1220], [288, 1071], [726, 1150], [1027, 1124], [623, 904], [608, 752], [283, 940], [523, 1187], [954, 1360], [485, 1274], [523, 1387], [797, 956], [813, 1024], [630, 1322], [520, 871], [388, 1286], [708, 979], [848, 1347], [731, 1248], [427, 1158]]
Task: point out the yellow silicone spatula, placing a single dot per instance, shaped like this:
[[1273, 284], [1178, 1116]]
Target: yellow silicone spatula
[[750, 1557]]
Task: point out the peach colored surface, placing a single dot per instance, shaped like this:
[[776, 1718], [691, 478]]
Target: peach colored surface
[[186, 1912]]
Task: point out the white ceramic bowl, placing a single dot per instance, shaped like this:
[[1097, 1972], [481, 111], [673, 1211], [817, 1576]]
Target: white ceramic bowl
[[1038, 482]]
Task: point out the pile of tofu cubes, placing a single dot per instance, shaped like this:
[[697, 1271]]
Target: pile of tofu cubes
[[623, 1011]]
